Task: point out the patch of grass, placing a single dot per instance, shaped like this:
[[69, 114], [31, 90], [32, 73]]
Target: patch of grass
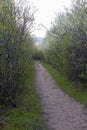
[[28, 114], [67, 86]]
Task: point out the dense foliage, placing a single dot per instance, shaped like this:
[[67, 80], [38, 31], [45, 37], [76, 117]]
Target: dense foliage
[[65, 45], [16, 47]]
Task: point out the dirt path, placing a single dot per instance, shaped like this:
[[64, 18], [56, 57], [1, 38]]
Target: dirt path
[[59, 110]]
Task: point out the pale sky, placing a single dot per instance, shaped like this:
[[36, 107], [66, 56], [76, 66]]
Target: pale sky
[[47, 9], [46, 12]]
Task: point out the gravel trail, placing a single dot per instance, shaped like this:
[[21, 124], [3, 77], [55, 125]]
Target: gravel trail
[[60, 111]]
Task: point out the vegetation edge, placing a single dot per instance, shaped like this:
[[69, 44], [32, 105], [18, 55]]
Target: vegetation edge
[[66, 86]]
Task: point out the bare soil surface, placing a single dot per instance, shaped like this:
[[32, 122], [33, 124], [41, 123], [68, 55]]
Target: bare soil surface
[[60, 111]]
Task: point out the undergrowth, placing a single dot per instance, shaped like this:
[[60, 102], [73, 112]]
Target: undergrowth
[[67, 86], [27, 116]]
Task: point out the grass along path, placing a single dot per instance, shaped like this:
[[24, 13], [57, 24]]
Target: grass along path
[[28, 114], [67, 86]]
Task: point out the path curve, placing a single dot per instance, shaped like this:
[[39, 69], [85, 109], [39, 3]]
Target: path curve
[[60, 111]]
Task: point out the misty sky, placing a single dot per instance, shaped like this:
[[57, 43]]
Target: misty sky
[[47, 10]]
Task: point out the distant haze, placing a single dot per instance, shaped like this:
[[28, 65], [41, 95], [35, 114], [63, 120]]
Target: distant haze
[[38, 40]]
